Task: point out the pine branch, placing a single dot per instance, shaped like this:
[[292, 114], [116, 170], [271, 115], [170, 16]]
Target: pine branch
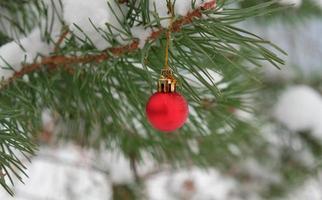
[[56, 61], [106, 103]]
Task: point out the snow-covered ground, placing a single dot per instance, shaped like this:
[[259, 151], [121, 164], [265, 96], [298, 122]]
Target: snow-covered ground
[[69, 172]]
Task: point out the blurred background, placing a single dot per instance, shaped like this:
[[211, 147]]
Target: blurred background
[[282, 161]]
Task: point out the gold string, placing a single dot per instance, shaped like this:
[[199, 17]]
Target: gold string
[[168, 34]]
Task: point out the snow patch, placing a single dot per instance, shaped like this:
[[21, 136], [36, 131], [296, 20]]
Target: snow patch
[[295, 3], [91, 16], [311, 190], [142, 34], [299, 108], [26, 50], [181, 7], [62, 174], [210, 76], [318, 2], [193, 184]]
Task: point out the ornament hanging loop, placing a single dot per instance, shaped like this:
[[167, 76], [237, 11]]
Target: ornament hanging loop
[[167, 83]]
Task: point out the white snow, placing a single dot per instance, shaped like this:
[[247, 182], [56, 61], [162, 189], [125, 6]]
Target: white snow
[[160, 9], [26, 50], [91, 16], [262, 174], [119, 168], [62, 174], [295, 3], [244, 115], [211, 77], [301, 41], [310, 190], [67, 172], [192, 184], [70, 172], [300, 108], [181, 7], [48, 121], [142, 34], [278, 142], [46, 116], [318, 2]]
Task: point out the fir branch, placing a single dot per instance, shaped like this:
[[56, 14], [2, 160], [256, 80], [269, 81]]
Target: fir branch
[[56, 61]]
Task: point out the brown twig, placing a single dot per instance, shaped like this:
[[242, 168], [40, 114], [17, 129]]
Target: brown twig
[[62, 37], [55, 61], [61, 60], [123, 1], [133, 166]]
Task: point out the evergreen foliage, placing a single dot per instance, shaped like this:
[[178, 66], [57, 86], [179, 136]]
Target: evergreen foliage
[[102, 102]]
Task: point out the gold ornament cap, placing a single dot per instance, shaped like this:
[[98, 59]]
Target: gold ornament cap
[[167, 83]]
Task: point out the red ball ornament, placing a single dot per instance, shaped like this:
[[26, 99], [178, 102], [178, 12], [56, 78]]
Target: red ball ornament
[[167, 111]]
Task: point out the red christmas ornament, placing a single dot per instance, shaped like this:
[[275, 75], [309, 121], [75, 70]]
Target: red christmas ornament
[[167, 111]]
